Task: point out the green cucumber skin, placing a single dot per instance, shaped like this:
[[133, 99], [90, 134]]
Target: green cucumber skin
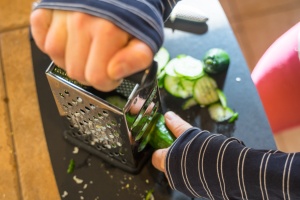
[[173, 85], [216, 60], [157, 135], [205, 91], [161, 136]]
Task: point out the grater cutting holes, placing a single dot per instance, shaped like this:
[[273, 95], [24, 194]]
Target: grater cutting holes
[[96, 121]]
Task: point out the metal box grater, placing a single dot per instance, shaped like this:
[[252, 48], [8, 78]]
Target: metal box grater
[[99, 126]]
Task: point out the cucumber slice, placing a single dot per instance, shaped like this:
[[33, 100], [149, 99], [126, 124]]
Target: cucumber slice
[[160, 78], [187, 85], [162, 57], [222, 97], [219, 113], [189, 103], [181, 56], [189, 67], [176, 87], [170, 67], [234, 117], [205, 91], [186, 67]]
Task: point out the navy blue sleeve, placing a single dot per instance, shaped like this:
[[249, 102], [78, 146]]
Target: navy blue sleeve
[[144, 19], [201, 164]]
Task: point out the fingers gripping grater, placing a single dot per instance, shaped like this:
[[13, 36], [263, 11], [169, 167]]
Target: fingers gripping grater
[[98, 125]]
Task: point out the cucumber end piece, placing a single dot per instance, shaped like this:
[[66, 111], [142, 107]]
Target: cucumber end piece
[[234, 117]]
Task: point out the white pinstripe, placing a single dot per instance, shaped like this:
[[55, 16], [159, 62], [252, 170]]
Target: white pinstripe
[[171, 182], [283, 178], [183, 167], [137, 12], [170, 4], [260, 175], [204, 183], [265, 176], [169, 177], [238, 172], [223, 181], [288, 181], [218, 173], [152, 7], [243, 180]]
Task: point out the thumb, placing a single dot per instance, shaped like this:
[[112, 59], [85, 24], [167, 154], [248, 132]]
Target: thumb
[[176, 124], [158, 159]]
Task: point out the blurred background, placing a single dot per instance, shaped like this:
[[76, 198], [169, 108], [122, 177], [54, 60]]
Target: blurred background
[[25, 171]]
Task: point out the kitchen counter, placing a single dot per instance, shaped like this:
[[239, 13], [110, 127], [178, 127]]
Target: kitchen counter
[[102, 181]]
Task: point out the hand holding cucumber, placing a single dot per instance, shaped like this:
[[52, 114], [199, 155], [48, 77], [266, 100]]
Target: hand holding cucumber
[[183, 77], [177, 126]]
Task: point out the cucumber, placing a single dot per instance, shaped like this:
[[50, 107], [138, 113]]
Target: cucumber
[[117, 101], [216, 60], [220, 113], [189, 67], [170, 67], [189, 103], [157, 135], [205, 91], [186, 67], [188, 78], [160, 78], [234, 117], [162, 57], [180, 75], [177, 86], [222, 97]]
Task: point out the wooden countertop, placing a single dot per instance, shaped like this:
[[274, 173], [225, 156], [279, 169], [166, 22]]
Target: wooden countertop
[[26, 172]]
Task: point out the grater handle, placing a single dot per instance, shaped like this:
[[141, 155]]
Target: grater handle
[[141, 76]]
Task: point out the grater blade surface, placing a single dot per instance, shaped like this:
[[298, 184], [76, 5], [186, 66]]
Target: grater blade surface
[[99, 126]]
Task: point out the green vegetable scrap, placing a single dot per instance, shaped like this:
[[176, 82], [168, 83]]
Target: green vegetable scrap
[[189, 78], [71, 166], [162, 57], [117, 101], [220, 113], [149, 195]]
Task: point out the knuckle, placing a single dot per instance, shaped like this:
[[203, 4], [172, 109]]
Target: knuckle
[[143, 53], [95, 79], [78, 20], [75, 74], [54, 44], [107, 28], [40, 18], [101, 83], [181, 127], [53, 49], [36, 18]]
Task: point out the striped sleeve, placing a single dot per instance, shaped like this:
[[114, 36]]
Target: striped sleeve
[[141, 18], [201, 164]]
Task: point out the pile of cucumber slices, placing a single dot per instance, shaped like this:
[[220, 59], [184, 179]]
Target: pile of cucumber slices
[[189, 78]]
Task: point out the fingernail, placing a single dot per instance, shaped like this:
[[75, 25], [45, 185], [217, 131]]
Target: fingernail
[[170, 115]]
